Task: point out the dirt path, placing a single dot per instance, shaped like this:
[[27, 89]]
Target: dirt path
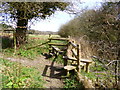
[[50, 70]]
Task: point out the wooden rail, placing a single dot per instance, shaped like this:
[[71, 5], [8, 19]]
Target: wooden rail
[[53, 47], [72, 58], [57, 44], [72, 53], [62, 39]]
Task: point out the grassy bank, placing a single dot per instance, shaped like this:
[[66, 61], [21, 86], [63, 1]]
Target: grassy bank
[[14, 75]]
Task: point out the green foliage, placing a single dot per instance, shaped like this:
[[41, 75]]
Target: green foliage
[[99, 26], [33, 9], [32, 53], [22, 12], [5, 26], [27, 53], [14, 75], [7, 42], [90, 75], [72, 83], [101, 75]]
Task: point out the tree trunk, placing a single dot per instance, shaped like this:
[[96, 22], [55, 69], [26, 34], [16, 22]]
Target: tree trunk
[[21, 31]]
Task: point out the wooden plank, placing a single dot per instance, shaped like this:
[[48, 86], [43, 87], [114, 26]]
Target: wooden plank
[[73, 44], [87, 63], [62, 39], [69, 67], [37, 45], [86, 60], [70, 58], [57, 44], [81, 64], [78, 58], [74, 53], [56, 48]]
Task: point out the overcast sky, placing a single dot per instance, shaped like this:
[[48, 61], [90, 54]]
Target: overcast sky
[[60, 18]]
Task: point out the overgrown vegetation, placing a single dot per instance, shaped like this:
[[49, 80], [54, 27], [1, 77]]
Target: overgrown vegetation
[[98, 32], [101, 75], [15, 75], [23, 12], [31, 53], [96, 29], [72, 83]]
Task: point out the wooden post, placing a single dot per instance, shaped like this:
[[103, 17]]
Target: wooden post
[[14, 38], [78, 58], [116, 72], [49, 35], [87, 67], [65, 62], [50, 45]]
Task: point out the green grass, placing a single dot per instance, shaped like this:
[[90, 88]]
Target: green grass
[[26, 74], [14, 75], [98, 73], [31, 53], [33, 40], [72, 83]]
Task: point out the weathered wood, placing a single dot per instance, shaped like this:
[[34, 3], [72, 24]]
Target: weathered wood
[[73, 44], [87, 63], [86, 60], [65, 61], [15, 46], [56, 48], [68, 68], [61, 39], [69, 58], [78, 59], [74, 53], [37, 45], [57, 44]]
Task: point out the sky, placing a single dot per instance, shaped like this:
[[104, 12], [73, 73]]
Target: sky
[[54, 22], [59, 18]]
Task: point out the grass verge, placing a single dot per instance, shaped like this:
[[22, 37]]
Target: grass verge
[[14, 75]]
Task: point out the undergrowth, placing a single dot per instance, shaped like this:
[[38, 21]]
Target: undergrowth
[[30, 53], [72, 83], [99, 74], [14, 75]]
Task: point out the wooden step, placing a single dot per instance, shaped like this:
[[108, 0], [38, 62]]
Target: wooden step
[[86, 60], [69, 58], [81, 64], [69, 67]]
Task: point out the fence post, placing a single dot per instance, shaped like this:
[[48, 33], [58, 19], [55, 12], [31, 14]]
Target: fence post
[[78, 58], [49, 45], [116, 72], [14, 38]]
